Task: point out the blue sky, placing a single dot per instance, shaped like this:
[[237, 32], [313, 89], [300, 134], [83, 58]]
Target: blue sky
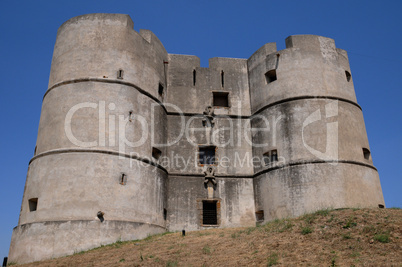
[[369, 30]]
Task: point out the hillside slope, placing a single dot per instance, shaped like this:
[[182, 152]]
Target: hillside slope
[[347, 237]]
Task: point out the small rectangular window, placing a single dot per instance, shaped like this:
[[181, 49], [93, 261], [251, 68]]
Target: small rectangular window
[[209, 212], [270, 76], [156, 153], [164, 214], [270, 157], [221, 99], [222, 78], [160, 89], [194, 77], [366, 153], [274, 155], [348, 75], [33, 204], [120, 74], [123, 179], [207, 155]]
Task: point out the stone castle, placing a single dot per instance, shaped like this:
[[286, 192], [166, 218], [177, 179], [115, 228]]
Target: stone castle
[[134, 141]]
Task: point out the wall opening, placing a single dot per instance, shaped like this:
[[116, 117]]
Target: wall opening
[[270, 76], [381, 206], [348, 75], [209, 212], [366, 153], [270, 157], [194, 77], [165, 214], [220, 99], [33, 204], [222, 78], [160, 89], [207, 155], [259, 216], [123, 179], [156, 153], [120, 74]]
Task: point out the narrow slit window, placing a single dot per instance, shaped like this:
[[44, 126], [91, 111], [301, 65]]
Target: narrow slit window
[[274, 156], [123, 179], [207, 155], [164, 214], [209, 212], [259, 216], [270, 76], [120, 74], [221, 99], [194, 77], [270, 157], [156, 153], [266, 158], [160, 89], [366, 153], [222, 78], [348, 75], [33, 204]]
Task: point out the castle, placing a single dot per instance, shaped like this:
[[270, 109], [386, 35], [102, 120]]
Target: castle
[[134, 141]]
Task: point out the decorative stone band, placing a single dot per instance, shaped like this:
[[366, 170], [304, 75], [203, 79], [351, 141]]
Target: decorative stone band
[[116, 81], [105, 80], [147, 161], [275, 168], [109, 152]]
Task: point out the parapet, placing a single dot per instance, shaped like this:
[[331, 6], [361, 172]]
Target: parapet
[[100, 19]]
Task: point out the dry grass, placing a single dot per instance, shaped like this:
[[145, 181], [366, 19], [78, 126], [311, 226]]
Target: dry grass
[[348, 237]]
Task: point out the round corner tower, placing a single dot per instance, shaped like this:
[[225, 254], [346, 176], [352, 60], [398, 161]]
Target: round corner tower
[[92, 180], [317, 147]]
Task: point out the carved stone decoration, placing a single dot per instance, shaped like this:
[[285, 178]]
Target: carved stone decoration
[[210, 182], [208, 120], [210, 175]]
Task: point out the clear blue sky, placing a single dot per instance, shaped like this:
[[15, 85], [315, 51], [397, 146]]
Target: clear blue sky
[[369, 30]]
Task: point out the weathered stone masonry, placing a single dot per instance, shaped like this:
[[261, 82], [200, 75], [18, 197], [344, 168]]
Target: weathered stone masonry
[[84, 193]]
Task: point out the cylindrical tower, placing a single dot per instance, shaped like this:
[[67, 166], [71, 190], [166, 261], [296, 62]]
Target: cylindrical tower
[[95, 177], [311, 131]]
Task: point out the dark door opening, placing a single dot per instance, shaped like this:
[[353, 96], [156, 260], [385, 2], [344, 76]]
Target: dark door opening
[[209, 213]]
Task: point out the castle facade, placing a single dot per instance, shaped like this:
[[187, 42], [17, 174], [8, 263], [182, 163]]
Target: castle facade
[[134, 141]]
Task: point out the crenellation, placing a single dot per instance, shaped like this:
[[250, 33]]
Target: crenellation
[[133, 141]]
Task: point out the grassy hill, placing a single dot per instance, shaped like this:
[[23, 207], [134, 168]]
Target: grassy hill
[[347, 237]]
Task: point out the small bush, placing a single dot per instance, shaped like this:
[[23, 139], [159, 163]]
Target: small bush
[[309, 218], [171, 264], [350, 223], [306, 230], [206, 250], [383, 238], [323, 213], [272, 259], [278, 225], [346, 236], [235, 235]]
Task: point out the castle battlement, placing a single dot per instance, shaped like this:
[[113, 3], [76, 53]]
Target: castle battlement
[[134, 141]]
